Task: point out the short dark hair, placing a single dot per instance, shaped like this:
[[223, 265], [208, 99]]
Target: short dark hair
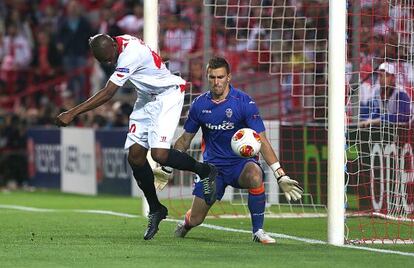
[[218, 62]]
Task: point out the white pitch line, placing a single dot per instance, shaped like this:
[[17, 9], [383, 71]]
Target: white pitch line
[[106, 212], [209, 226], [27, 208]]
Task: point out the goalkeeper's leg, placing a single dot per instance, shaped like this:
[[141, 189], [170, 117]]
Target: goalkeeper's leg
[[251, 178], [194, 217]]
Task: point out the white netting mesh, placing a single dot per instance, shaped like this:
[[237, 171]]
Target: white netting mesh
[[286, 41]]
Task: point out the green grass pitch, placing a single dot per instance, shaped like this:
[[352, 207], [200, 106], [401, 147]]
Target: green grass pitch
[[65, 237]]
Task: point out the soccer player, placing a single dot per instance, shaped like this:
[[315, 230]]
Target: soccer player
[[153, 120], [220, 113]]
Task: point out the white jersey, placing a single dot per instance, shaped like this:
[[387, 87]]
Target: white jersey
[[142, 67]]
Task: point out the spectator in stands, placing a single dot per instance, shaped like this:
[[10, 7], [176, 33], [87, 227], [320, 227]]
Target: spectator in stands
[[48, 18], [16, 49], [16, 57], [178, 41], [391, 102], [13, 159], [23, 22], [133, 23], [74, 32], [46, 59], [107, 23], [196, 75]]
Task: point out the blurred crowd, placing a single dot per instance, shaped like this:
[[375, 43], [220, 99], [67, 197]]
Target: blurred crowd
[[46, 66]]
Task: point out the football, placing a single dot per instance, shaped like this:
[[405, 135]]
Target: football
[[246, 143]]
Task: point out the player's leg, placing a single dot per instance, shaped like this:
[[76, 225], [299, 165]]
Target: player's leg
[[137, 159], [145, 179], [137, 144], [181, 161], [199, 209], [194, 217], [166, 112], [251, 177]]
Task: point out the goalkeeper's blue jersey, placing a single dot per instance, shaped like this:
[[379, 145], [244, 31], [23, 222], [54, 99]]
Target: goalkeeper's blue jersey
[[220, 120]]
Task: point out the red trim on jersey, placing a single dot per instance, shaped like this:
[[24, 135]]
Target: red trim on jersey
[[120, 42], [120, 75], [218, 101], [182, 87]]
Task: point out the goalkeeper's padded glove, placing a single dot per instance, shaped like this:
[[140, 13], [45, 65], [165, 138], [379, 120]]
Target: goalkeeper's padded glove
[[162, 175], [290, 187]]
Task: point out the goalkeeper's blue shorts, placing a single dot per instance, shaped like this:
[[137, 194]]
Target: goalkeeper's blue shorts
[[227, 175]]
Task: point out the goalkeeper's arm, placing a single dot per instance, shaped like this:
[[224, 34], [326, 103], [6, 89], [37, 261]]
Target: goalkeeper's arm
[[290, 187], [162, 175], [183, 142]]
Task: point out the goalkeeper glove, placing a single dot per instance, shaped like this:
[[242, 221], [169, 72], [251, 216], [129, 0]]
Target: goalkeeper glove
[[162, 175], [290, 187]]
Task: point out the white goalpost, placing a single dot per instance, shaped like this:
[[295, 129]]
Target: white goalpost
[[336, 121], [151, 39]]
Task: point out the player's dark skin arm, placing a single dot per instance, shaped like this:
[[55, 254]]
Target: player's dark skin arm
[[102, 96]]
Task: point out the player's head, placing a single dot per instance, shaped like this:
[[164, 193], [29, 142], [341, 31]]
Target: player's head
[[218, 76], [104, 49]]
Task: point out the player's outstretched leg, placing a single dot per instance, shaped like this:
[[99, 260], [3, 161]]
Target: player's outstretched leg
[[154, 219], [180, 230], [207, 172], [209, 186], [183, 227]]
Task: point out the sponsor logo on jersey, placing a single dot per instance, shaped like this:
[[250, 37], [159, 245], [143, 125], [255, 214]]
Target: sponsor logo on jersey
[[229, 112], [122, 70], [206, 111], [223, 126], [251, 102]]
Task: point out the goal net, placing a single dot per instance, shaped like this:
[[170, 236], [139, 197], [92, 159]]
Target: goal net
[[278, 53], [380, 138]]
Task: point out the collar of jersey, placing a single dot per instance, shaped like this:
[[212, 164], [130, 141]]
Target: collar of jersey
[[223, 100]]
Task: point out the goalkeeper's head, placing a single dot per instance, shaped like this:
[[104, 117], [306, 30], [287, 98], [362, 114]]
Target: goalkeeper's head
[[219, 77], [104, 49]]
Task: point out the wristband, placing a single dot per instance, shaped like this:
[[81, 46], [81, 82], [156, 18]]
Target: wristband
[[167, 169], [278, 170], [275, 166]]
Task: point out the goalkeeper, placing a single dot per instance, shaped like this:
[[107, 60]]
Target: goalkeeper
[[220, 113]]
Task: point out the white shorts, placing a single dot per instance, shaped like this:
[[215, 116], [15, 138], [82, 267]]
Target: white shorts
[[154, 119]]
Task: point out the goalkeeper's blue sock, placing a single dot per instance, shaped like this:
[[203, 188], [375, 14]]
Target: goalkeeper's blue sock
[[256, 204]]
